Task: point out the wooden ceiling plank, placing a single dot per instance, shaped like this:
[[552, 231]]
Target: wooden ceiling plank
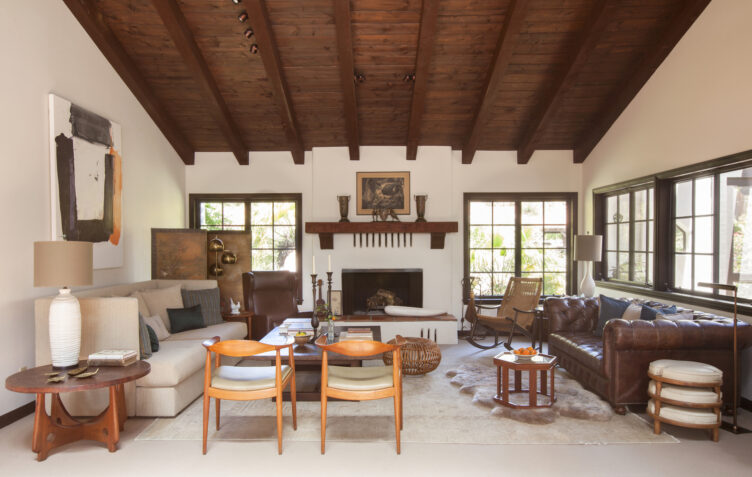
[[642, 72], [587, 41], [342, 18], [513, 22], [262, 28], [177, 27], [426, 36], [126, 68]]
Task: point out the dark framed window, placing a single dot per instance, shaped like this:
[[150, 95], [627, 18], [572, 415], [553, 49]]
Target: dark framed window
[[522, 235], [628, 234], [273, 220], [701, 221]]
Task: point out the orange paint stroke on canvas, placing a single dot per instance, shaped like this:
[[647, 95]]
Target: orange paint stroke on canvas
[[117, 193]]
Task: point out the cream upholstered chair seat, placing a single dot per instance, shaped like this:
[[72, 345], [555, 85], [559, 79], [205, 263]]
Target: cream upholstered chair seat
[[685, 394], [685, 415], [687, 371], [234, 378], [360, 379]]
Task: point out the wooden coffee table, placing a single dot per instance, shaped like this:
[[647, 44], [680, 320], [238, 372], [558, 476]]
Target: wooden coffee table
[[60, 428], [540, 364]]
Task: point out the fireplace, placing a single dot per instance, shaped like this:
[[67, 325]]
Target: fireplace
[[358, 285]]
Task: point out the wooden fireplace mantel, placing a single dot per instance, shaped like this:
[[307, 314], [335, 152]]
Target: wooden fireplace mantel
[[326, 230]]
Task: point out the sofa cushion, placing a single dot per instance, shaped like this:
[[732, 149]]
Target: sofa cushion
[[650, 313], [160, 299], [582, 346], [184, 319], [251, 378], [610, 308], [158, 326], [209, 301], [176, 361], [230, 330]]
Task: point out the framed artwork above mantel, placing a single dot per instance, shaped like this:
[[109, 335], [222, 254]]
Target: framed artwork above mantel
[[383, 190]]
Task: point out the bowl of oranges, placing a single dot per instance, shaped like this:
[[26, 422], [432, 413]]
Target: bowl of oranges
[[525, 354]]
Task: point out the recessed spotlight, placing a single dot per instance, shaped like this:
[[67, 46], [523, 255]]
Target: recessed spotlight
[[254, 48], [242, 16], [359, 77], [236, 1], [248, 33]]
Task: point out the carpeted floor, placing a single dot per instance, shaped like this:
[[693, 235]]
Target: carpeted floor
[[435, 412]]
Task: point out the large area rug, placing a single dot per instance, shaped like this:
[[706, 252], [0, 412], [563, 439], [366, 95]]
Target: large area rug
[[435, 412]]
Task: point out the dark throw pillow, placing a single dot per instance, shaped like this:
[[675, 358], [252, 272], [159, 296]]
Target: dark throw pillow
[[209, 301], [144, 344], [153, 339], [184, 319], [649, 313], [610, 308]]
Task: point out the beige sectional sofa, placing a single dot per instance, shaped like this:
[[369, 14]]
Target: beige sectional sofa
[[109, 320]]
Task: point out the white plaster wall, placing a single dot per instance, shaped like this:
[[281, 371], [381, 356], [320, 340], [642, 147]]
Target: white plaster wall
[[45, 50], [697, 106], [438, 172]]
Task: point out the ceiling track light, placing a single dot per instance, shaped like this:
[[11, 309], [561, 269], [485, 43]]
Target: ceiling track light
[[254, 49], [409, 78], [248, 33], [236, 1], [242, 16]]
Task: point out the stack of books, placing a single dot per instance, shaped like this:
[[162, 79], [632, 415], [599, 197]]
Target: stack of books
[[113, 357], [364, 334], [293, 326]]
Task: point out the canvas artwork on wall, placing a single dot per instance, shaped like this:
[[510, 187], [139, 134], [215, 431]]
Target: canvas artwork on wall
[[383, 190], [87, 182]]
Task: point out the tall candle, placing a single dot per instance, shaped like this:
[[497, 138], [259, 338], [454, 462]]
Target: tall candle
[[314, 265], [330, 263]]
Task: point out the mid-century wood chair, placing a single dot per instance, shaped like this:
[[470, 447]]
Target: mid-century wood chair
[[361, 384], [239, 383], [515, 314]]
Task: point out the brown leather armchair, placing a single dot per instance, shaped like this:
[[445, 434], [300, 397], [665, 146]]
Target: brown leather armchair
[[272, 296]]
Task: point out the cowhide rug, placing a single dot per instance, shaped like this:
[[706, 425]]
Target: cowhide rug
[[478, 378]]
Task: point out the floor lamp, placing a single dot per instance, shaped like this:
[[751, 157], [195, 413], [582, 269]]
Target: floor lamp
[[733, 427]]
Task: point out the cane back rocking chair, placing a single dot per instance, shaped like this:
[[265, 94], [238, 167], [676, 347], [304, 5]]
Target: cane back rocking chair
[[515, 314]]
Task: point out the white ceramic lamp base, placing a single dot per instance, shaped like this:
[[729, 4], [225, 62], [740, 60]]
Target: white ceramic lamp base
[[587, 286], [65, 330]]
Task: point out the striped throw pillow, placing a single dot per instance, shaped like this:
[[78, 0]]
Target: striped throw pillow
[[209, 301]]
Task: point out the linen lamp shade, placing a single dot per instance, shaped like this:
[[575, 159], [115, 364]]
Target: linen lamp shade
[[587, 248], [63, 264]]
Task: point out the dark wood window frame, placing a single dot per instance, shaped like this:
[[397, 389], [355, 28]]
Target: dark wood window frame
[[569, 197], [194, 220], [664, 240]]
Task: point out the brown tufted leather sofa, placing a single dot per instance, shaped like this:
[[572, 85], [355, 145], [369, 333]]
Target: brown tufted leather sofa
[[615, 366], [272, 296]]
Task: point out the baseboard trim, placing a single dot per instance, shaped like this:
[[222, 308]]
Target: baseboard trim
[[745, 404], [10, 417]]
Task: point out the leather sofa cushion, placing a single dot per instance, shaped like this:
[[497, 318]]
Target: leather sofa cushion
[[252, 378], [230, 330], [685, 415], [360, 379], [684, 393], [174, 362], [584, 347]]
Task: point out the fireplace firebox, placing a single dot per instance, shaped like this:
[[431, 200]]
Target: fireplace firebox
[[360, 285]]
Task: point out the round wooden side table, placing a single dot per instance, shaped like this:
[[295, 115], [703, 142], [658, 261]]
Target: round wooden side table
[[244, 316], [540, 364], [59, 427]]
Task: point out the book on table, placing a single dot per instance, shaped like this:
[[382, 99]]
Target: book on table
[[113, 357], [359, 336]]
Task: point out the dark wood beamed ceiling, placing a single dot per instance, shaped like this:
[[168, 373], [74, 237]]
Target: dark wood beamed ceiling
[[426, 37], [513, 23], [588, 40], [109, 45], [343, 20], [262, 27], [508, 75], [181, 35], [640, 74]]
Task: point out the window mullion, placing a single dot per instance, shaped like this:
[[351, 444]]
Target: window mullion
[[631, 247], [518, 238], [717, 231]]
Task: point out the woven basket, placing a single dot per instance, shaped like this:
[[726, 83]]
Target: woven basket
[[419, 356]]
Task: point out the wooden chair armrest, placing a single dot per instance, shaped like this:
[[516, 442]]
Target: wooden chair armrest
[[210, 342]]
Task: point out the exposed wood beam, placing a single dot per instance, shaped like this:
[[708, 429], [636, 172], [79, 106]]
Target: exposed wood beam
[[428, 19], [262, 28], [108, 44], [186, 45], [642, 71], [587, 41], [513, 21], [346, 71]]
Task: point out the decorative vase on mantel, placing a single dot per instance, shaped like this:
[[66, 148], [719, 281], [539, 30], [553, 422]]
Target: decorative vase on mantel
[[344, 207], [420, 207]]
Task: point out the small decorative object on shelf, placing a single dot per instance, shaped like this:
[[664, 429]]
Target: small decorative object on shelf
[[383, 215], [420, 207], [234, 307], [344, 207]]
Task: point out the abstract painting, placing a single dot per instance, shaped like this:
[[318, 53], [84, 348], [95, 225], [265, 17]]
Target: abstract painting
[[383, 190], [87, 180]]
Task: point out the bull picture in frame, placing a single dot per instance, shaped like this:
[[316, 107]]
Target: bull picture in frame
[[383, 190]]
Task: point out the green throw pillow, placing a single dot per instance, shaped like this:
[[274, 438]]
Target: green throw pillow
[[184, 319], [153, 339]]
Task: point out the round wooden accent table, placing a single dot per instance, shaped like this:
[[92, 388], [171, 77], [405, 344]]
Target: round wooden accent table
[[540, 364], [59, 427]]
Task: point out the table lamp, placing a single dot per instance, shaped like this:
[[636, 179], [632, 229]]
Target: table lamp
[[734, 427], [587, 248], [64, 264]]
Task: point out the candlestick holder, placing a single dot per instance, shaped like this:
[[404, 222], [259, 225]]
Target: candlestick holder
[[329, 292], [314, 316], [320, 311]]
